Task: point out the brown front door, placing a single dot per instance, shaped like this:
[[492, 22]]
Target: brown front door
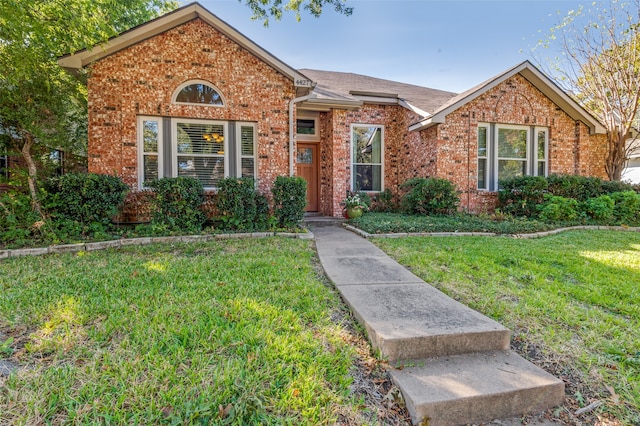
[[307, 168]]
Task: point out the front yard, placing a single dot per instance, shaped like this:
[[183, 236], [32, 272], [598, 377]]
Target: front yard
[[228, 332], [572, 301]]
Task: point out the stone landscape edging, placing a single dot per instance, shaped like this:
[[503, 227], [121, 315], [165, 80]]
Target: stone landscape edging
[[103, 245], [532, 235]]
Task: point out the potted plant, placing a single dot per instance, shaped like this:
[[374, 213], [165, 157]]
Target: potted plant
[[354, 206]]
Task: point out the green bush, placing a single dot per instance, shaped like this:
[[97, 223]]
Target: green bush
[[85, 198], [521, 196], [384, 202], [627, 207], [555, 209], [177, 204], [580, 188], [17, 219], [429, 196], [611, 186], [289, 200], [598, 208], [239, 205]]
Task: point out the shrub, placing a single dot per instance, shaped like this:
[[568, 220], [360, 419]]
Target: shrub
[[557, 208], [580, 188], [18, 221], [384, 202], [86, 198], [430, 196], [240, 206], [611, 186], [176, 204], [627, 206], [289, 200], [521, 196], [599, 208]]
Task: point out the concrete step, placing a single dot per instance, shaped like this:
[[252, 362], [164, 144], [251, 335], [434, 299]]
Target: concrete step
[[475, 388], [415, 320]]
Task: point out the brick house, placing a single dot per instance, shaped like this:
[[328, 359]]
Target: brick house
[[187, 94]]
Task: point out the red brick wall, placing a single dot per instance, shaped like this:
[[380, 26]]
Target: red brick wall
[[141, 79], [518, 102]]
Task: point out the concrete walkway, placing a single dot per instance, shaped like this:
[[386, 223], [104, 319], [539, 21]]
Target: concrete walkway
[[454, 364]]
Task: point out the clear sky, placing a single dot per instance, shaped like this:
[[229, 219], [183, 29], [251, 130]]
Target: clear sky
[[450, 45]]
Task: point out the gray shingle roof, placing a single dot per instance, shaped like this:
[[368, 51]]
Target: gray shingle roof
[[338, 85]]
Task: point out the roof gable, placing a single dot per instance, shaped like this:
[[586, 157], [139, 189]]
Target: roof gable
[[532, 74], [82, 58]]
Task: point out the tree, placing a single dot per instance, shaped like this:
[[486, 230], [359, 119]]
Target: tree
[[599, 64], [41, 106], [265, 9]]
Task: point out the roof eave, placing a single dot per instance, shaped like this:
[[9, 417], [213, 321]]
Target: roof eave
[[538, 80], [329, 104], [78, 60]]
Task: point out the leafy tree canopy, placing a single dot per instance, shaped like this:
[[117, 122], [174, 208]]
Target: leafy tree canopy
[[266, 9], [595, 56], [41, 106]]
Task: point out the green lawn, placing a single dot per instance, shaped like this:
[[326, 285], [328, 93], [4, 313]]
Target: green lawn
[[227, 332], [572, 300]]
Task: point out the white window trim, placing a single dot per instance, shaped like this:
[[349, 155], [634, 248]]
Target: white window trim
[[531, 160], [487, 157], [239, 155], [526, 159], [351, 163], [141, 153], [546, 150], [174, 144], [189, 83], [315, 137]]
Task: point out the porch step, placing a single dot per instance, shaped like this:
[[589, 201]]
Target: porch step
[[314, 219], [473, 388], [415, 320]]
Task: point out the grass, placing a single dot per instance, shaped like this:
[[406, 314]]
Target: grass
[[227, 332], [574, 297]]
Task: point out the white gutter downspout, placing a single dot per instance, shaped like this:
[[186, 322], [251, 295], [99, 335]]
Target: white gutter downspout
[[292, 140]]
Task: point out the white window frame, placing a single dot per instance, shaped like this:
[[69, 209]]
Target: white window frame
[[531, 160], [536, 160], [239, 156], [316, 120], [486, 158], [142, 153], [176, 92], [352, 164], [526, 159], [174, 144]]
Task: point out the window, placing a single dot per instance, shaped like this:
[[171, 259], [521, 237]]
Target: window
[[247, 157], [366, 158], [198, 92], [507, 151], [203, 149], [483, 139], [307, 126], [541, 158], [149, 149], [200, 150], [512, 152]]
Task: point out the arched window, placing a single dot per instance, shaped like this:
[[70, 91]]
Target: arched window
[[198, 92]]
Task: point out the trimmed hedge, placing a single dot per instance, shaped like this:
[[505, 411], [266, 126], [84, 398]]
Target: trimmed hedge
[[240, 206], [177, 204], [289, 200], [85, 198]]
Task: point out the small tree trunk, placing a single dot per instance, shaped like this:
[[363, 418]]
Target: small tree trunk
[[616, 159], [33, 174]]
